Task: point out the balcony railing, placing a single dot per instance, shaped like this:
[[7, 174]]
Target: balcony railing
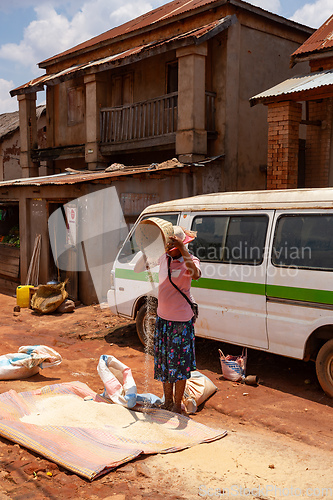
[[147, 119]]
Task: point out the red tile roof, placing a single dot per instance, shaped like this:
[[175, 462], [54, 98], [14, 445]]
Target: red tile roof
[[320, 41]]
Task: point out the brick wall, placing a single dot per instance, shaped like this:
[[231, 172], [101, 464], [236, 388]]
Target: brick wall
[[318, 143], [283, 137], [321, 64]]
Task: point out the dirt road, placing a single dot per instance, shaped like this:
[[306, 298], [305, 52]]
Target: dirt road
[[279, 442]]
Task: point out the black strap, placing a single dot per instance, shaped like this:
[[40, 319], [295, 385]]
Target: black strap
[[176, 287]]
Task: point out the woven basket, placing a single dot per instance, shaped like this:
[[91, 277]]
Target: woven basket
[[49, 297], [152, 236]]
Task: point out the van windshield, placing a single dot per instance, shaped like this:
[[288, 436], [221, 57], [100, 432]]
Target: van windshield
[[130, 247]]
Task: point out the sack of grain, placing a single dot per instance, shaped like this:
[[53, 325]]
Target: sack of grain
[[198, 388], [27, 361], [118, 381]]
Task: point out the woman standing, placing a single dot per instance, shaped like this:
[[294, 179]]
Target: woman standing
[[174, 341]]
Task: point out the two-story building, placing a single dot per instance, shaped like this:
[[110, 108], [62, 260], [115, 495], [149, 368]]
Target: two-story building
[[156, 109], [175, 82]]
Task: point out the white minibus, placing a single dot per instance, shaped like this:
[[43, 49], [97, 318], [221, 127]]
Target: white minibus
[[267, 272]]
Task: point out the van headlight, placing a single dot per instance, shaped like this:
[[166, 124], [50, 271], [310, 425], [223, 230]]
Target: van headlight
[[112, 280]]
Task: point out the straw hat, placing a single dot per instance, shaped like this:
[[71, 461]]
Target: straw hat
[[152, 236], [186, 237]]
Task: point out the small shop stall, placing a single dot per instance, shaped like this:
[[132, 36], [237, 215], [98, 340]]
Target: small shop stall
[[9, 241]]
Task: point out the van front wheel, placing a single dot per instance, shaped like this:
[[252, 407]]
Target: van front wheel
[[324, 367], [145, 325]]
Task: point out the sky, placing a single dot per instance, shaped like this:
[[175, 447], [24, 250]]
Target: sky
[[34, 30]]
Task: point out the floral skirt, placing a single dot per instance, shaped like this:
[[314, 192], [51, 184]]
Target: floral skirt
[[174, 350]]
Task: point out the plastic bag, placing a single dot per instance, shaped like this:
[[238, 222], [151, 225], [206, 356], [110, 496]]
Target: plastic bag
[[118, 381], [233, 367], [148, 399], [27, 361], [198, 388]]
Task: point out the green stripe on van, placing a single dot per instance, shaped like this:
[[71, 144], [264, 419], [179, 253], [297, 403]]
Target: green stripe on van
[[129, 274], [275, 291], [230, 286], [303, 294], [208, 283]]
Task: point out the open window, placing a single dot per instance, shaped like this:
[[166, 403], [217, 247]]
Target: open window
[[172, 77]]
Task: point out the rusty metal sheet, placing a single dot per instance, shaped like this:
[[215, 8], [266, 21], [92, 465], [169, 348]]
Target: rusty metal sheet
[[73, 177], [320, 41], [164, 12], [296, 84], [196, 35]]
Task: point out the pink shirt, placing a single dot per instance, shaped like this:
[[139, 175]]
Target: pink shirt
[[171, 305]]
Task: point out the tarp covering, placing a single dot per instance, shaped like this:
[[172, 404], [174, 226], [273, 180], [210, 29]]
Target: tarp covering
[[91, 452]]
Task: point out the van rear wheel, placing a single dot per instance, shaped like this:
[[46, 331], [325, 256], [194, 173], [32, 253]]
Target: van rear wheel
[[324, 367], [145, 324]]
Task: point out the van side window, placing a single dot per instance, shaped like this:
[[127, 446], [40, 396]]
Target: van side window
[[246, 238], [211, 233], [304, 241], [130, 248], [230, 240]]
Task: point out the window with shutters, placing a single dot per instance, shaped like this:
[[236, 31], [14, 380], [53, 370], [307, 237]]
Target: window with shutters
[[75, 105]]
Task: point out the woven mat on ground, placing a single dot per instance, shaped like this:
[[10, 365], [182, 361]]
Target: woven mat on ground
[[74, 427]]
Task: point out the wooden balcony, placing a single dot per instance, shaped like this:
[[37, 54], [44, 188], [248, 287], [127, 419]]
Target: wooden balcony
[[146, 124]]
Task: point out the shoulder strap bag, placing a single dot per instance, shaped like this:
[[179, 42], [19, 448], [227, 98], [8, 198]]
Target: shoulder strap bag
[[194, 305]]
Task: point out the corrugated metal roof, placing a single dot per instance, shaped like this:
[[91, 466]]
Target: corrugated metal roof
[[51, 79], [296, 84], [152, 17], [115, 171], [320, 41], [166, 12], [10, 122], [194, 36], [90, 176]]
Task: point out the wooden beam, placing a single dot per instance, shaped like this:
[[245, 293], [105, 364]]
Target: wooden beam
[[65, 152], [139, 144]]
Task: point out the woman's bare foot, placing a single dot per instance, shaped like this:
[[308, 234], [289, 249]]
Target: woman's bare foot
[[177, 409], [168, 405]]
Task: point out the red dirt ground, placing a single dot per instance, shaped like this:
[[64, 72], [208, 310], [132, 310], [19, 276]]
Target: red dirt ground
[[288, 401]]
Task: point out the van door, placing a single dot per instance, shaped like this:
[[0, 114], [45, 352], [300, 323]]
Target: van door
[[231, 292], [299, 279]]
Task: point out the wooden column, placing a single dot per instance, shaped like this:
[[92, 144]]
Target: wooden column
[[28, 133], [95, 98], [191, 137]]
